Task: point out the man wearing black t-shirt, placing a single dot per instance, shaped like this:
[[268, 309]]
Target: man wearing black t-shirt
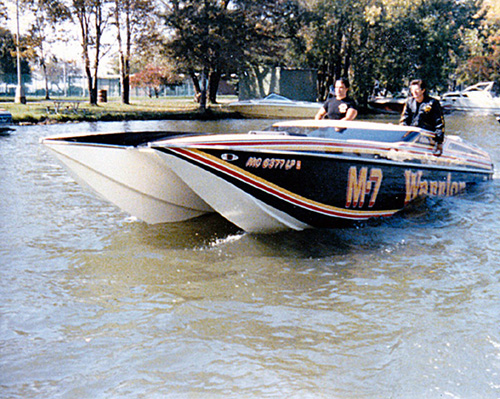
[[339, 106]]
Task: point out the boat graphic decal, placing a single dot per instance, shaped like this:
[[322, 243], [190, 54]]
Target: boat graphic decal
[[234, 172], [416, 186], [229, 157], [398, 152], [363, 184]]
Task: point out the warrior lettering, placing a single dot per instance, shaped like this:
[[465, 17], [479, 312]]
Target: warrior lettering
[[416, 186]]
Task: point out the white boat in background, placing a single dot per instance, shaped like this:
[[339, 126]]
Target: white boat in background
[[481, 97], [275, 106]]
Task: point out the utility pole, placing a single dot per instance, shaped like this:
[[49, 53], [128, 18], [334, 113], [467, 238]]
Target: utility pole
[[20, 97]]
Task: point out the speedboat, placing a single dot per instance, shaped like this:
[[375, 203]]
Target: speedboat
[[481, 97], [5, 121], [275, 106], [295, 175]]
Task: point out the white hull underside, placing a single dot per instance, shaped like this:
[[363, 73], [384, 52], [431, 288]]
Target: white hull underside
[[232, 203], [134, 180]]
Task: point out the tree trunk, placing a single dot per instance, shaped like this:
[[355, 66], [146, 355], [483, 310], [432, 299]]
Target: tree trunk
[[213, 86], [203, 93], [46, 78], [196, 85], [124, 52]]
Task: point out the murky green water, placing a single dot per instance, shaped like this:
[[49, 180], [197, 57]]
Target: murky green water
[[97, 305]]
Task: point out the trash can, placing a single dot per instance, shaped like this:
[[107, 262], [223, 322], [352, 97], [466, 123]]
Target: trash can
[[102, 96]]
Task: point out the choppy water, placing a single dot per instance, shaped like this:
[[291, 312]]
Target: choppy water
[[97, 305]]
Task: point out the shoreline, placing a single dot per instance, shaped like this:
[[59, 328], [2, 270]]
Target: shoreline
[[67, 110], [142, 116]]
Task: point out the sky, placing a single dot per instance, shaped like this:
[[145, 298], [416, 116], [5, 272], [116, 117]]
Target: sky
[[69, 50]]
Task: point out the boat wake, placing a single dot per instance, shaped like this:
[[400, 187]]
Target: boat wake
[[227, 240]]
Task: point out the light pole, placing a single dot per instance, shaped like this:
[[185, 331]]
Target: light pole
[[20, 97]]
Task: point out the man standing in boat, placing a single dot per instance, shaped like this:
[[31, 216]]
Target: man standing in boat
[[423, 111], [339, 106]]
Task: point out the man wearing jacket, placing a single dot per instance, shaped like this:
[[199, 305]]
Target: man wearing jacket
[[423, 111]]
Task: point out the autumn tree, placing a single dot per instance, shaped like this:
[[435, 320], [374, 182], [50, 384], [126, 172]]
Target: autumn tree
[[153, 77], [481, 44]]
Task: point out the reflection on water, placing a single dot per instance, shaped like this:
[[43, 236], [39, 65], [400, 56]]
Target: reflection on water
[[96, 304]]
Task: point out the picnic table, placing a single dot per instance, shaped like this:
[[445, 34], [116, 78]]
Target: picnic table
[[64, 105]]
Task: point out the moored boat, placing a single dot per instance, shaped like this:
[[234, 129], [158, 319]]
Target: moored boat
[[387, 105], [5, 121], [483, 97], [275, 106]]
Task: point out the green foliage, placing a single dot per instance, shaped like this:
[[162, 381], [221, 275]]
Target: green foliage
[[214, 38], [391, 41], [8, 62]]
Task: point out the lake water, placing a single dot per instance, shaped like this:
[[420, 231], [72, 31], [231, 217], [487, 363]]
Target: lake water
[[95, 304]]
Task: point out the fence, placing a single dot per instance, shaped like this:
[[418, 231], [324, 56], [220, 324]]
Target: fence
[[76, 86]]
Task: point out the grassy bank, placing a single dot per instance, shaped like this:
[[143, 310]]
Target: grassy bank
[[77, 109]]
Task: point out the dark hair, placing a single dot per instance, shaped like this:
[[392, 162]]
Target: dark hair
[[345, 81], [420, 82]]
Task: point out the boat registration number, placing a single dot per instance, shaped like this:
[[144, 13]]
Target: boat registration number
[[273, 163]]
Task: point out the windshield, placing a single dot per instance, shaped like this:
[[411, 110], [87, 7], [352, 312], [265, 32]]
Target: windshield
[[348, 133]]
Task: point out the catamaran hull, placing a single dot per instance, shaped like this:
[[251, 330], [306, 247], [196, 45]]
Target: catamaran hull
[[262, 192], [135, 180], [297, 175]]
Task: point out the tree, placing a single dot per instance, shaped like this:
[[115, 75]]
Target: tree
[[92, 17], [481, 43], [131, 17], [209, 38], [3, 12], [8, 65], [390, 41], [153, 77], [40, 36]]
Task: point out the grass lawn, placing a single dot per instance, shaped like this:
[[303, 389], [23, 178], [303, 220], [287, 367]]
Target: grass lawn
[[37, 110]]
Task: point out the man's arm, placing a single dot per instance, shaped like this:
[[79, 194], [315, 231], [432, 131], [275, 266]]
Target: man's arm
[[350, 114], [438, 121], [320, 114], [405, 115]]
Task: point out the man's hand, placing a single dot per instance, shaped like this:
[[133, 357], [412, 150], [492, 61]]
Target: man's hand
[[438, 149]]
